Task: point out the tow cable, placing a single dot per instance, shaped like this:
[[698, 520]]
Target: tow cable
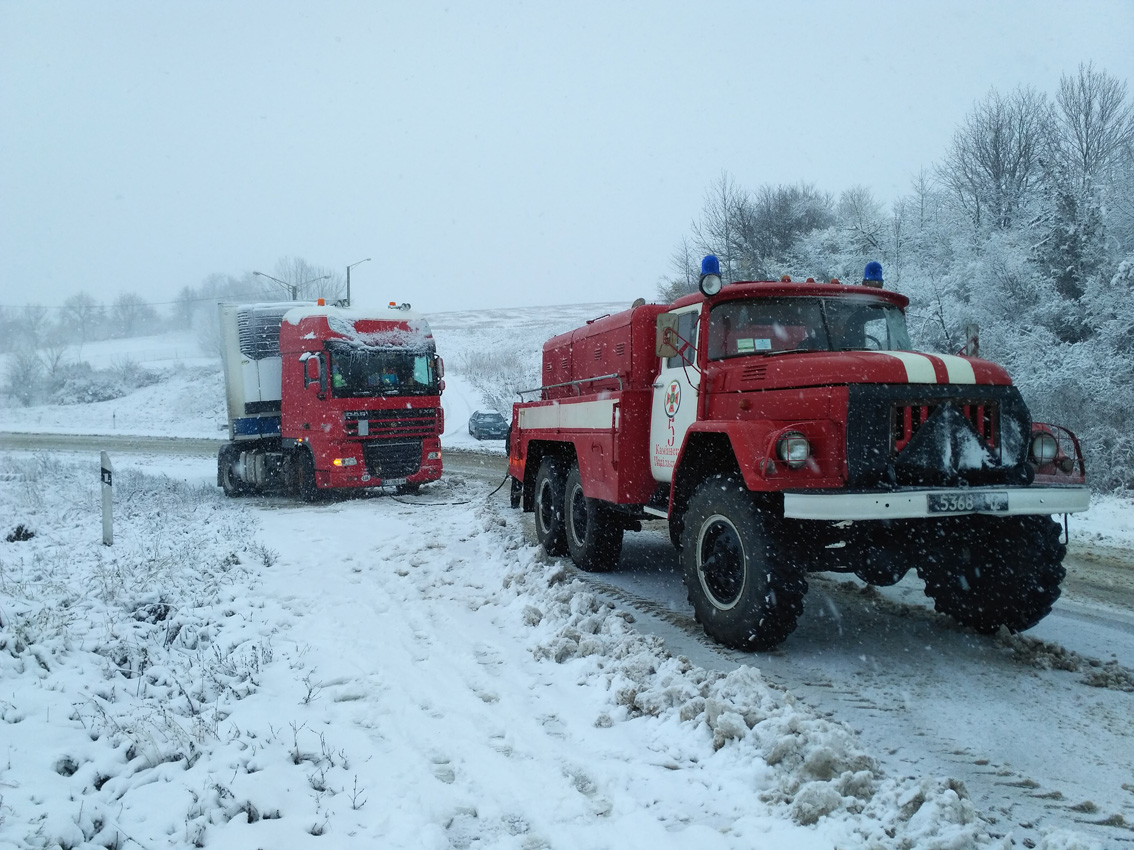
[[443, 504]]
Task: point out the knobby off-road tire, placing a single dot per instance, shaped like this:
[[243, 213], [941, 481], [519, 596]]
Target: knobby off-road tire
[[549, 524], [745, 594], [988, 572], [227, 458], [593, 538]]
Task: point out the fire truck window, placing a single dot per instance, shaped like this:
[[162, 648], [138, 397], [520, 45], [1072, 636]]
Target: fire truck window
[[870, 326], [687, 331], [765, 326]]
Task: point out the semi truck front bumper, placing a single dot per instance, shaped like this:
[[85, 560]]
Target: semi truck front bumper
[[923, 503]]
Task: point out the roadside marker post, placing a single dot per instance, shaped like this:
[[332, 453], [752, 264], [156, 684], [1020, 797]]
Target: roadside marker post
[[107, 501]]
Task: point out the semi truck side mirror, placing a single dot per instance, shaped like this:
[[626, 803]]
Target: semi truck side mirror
[[667, 341], [312, 370]]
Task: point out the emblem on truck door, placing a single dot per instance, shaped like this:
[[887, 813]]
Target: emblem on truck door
[[672, 399]]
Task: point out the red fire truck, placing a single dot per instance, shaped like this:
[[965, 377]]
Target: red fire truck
[[782, 428], [322, 398]]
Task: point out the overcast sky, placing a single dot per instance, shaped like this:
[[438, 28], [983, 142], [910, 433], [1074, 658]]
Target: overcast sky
[[484, 154]]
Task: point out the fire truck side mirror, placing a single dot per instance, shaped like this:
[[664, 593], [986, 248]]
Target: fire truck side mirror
[[667, 339]]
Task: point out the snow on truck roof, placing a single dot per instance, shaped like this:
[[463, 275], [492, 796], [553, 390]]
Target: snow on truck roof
[[395, 327], [793, 288]]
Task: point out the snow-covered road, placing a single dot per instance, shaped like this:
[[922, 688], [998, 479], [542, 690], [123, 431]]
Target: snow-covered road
[[380, 672], [1020, 720]]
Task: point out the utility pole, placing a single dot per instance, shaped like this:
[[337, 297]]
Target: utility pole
[[348, 268]]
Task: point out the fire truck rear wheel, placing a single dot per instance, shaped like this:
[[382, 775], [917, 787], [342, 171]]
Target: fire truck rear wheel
[[550, 531], [226, 471], [744, 595], [988, 572], [594, 539]]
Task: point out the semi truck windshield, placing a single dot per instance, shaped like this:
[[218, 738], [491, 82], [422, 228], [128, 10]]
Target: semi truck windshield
[[361, 372]]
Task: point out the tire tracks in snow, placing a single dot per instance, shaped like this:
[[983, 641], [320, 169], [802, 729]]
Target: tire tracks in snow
[[873, 685]]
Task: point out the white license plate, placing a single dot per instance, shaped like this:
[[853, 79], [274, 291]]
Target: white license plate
[[393, 482], [963, 503]]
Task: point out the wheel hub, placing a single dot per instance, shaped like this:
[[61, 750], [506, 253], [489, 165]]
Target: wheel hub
[[544, 507], [577, 510], [720, 562]]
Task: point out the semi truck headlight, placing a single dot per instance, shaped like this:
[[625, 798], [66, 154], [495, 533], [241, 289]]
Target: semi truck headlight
[[1044, 448], [793, 449], [345, 461], [433, 456]]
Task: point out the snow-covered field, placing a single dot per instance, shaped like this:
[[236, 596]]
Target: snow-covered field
[[378, 672]]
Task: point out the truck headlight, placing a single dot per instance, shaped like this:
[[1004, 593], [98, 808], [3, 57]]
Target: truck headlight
[[793, 449], [1044, 448], [344, 461]]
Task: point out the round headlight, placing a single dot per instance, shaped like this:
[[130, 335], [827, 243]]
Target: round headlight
[[1044, 448], [793, 449]]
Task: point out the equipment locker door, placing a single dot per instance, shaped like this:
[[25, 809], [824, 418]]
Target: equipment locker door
[[675, 396]]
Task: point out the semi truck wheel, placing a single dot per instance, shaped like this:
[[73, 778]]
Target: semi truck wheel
[[593, 539], [549, 506], [988, 572], [744, 594], [308, 489], [226, 472]]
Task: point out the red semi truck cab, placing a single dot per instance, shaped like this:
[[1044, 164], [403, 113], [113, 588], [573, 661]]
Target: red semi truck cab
[[782, 428], [323, 398]]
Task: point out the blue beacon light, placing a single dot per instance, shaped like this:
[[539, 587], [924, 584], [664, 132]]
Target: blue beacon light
[[872, 274], [710, 282]]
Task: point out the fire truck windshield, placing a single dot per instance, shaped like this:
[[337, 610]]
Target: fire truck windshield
[[361, 371], [779, 325]]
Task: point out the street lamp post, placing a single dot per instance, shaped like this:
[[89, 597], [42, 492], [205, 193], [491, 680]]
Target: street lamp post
[[293, 288], [348, 268]]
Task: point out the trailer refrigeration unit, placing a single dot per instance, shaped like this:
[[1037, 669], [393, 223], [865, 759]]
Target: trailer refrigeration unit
[[322, 398], [784, 428]]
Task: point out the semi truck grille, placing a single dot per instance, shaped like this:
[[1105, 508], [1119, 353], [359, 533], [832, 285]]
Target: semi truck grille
[[403, 422], [392, 459], [907, 417]]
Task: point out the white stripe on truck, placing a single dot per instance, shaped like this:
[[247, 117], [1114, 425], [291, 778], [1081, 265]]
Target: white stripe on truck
[[919, 368], [571, 414]]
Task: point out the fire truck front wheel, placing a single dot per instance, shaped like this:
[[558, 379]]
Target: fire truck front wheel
[[593, 538], [744, 595], [549, 523], [988, 572]]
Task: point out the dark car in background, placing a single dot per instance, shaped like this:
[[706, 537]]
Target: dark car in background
[[488, 425]]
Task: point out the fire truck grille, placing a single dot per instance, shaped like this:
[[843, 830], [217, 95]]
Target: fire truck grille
[[392, 459], [937, 435], [405, 422], [907, 417]]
